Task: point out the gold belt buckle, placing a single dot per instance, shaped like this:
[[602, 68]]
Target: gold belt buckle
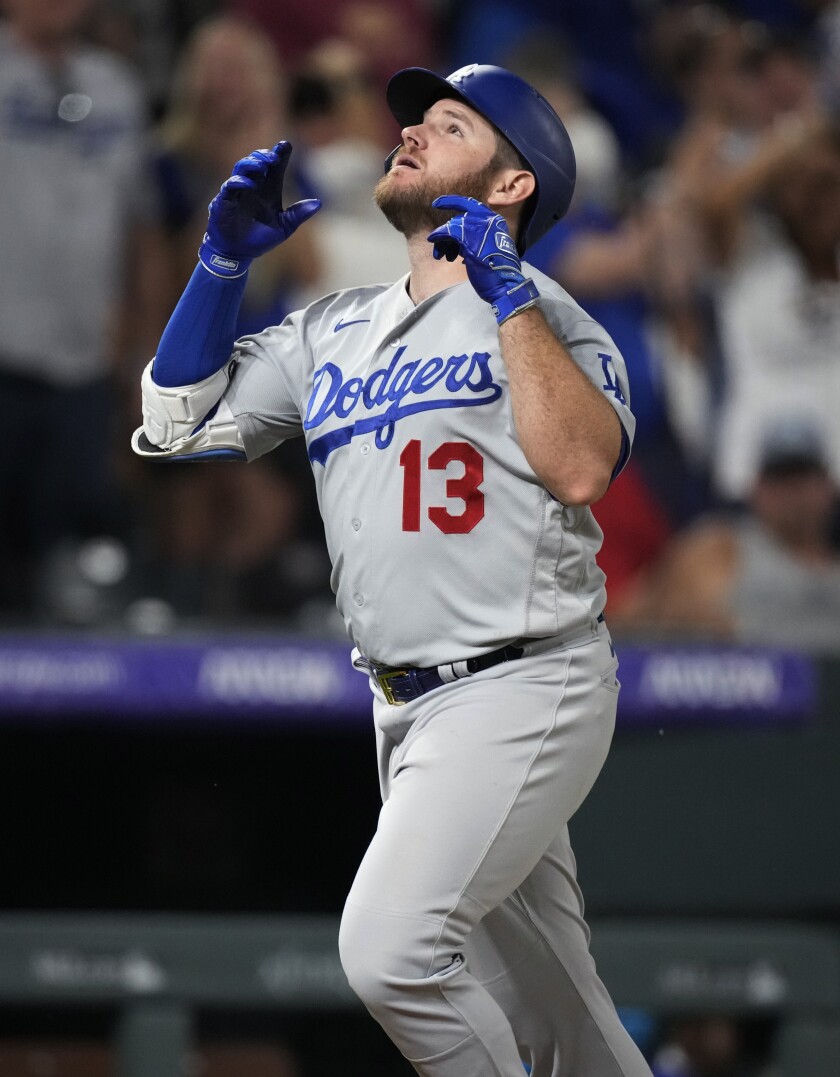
[[384, 680]]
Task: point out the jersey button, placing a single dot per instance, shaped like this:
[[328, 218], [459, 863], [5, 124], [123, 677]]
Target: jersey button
[[357, 524], [365, 449], [359, 599], [395, 343]]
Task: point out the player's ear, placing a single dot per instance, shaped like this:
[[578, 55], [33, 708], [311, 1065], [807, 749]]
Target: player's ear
[[511, 187]]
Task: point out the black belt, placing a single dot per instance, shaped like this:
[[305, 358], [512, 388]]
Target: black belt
[[402, 684]]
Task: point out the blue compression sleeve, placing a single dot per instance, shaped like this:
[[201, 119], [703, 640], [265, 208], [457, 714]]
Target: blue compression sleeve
[[198, 339]]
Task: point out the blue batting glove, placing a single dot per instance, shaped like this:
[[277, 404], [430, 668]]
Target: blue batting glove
[[247, 216], [482, 239]]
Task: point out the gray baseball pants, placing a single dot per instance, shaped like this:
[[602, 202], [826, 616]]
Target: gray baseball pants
[[463, 932]]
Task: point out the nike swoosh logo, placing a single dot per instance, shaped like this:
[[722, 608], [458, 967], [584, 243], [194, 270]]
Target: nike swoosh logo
[[343, 325]]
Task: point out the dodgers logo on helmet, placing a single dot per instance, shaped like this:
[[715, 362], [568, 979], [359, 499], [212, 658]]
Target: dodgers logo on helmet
[[461, 73]]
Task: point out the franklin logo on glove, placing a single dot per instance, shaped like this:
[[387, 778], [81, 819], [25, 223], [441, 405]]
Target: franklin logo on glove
[[219, 262]]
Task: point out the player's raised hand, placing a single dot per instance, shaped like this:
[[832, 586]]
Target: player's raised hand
[[247, 218], [481, 237]]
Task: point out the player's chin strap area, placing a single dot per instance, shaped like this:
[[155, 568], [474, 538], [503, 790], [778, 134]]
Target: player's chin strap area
[[401, 685]]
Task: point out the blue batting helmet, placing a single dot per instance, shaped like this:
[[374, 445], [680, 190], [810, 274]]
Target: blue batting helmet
[[516, 109]]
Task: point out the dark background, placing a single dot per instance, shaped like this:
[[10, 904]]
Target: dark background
[[115, 814], [122, 815]]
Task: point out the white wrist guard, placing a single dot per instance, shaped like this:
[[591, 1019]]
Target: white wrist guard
[[172, 414]]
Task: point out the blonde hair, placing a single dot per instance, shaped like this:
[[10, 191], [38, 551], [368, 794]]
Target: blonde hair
[[186, 123]]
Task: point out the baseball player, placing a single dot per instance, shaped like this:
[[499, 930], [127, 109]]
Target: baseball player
[[458, 423]]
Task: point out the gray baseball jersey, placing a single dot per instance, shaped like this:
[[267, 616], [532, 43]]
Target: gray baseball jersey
[[444, 544]]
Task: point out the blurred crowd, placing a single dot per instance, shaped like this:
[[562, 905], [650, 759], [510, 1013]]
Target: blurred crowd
[[704, 235]]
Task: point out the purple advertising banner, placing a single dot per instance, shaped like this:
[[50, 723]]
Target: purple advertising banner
[[236, 677], [294, 680], [730, 684]]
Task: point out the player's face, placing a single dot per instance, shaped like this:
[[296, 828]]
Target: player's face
[[451, 152]]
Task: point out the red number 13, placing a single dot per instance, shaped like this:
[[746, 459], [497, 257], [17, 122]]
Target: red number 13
[[466, 487]]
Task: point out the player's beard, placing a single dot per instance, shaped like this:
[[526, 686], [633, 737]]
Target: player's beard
[[409, 207]]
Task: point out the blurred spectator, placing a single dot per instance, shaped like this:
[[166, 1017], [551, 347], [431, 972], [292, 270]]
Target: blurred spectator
[[333, 96], [226, 540], [709, 56], [228, 98], [390, 36], [338, 116], [608, 39], [778, 300], [544, 58], [80, 296], [706, 52], [768, 575], [743, 88], [748, 94], [150, 33], [707, 1047]]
